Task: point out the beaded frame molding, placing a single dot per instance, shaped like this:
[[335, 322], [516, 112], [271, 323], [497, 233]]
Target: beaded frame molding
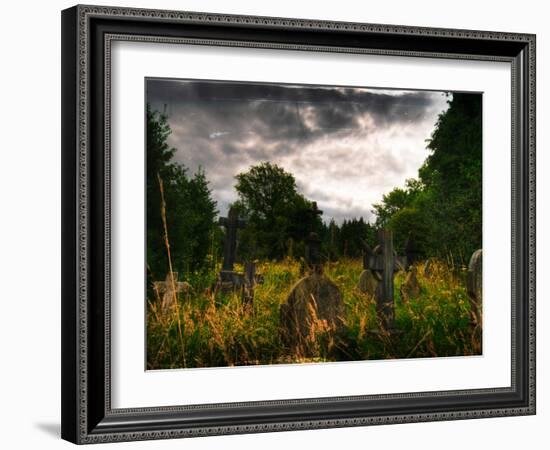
[[87, 35]]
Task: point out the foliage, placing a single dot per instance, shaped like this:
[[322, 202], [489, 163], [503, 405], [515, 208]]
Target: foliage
[[277, 215], [190, 209], [442, 208]]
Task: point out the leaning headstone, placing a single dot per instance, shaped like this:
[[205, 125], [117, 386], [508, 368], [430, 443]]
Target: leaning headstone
[[368, 282], [411, 250], [410, 287], [314, 304], [431, 267], [229, 280], [369, 279], [249, 282], [313, 253], [474, 284], [168, 290]]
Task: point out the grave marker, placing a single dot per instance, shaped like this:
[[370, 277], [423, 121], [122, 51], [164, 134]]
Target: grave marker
[[232, 224], [384, 262], [432, 267], [250, 279], [412, 252], [411, 286], [313, 253], [314, 304], [168, 292], [368, 280], [474, 284], [229, 279]]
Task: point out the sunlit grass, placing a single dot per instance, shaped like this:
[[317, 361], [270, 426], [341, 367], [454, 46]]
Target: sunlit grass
[[218, 330]]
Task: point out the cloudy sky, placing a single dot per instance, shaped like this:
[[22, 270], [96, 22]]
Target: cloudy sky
[[346, 146]]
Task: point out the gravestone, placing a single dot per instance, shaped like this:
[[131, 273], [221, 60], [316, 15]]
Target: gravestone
[[313, 253], [431, 267], [412, 252], [312, 213], [250, 279], [368, 280], [474, 284], [232, 224], [384, 261], [411, 286], [168, 291], [290, 248], [314, 305], [228, 279]]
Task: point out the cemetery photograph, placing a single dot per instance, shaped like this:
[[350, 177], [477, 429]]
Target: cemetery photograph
[[292, 224]]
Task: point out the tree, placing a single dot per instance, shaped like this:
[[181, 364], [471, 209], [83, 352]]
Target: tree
[[190, 209], [453, 175], [276, 212], [392, 202], [158, 157], [442, 208]]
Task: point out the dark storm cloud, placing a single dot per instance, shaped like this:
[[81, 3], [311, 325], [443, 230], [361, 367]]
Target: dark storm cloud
[[340, 134], [283, 109]]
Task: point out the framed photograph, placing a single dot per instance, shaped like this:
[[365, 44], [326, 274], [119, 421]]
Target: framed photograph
[[279, 224]]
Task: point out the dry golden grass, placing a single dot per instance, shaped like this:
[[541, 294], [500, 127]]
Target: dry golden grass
[[210, 329]]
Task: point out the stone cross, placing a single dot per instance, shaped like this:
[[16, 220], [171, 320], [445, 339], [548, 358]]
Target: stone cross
[[313, 243], [411, 250], [313, 253], [313, 211], [231, 223], [384, 262]]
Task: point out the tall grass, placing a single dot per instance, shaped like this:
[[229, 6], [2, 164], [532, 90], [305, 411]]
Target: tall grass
[[208, 328]]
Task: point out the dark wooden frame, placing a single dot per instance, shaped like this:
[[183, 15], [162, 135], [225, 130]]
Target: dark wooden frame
[[87, 32]]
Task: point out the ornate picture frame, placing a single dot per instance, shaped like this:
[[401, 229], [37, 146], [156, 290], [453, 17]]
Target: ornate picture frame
[[88, 33]]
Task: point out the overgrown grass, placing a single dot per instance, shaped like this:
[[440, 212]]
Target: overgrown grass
[[211, 329]]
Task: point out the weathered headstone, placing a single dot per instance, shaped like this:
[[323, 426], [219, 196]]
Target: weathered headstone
[[290, 248], [431, 267], [474, 284], [231, 223], [314, 305], [313, 253], [368, 280], [410, 288], [168, 290], [249, 283], [412, 252], [228, 279], [384, 262]]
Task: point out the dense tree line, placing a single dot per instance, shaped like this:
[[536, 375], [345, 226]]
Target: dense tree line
[[441, 209]]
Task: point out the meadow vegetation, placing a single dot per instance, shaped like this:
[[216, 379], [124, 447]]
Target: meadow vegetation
[[206, 328]]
